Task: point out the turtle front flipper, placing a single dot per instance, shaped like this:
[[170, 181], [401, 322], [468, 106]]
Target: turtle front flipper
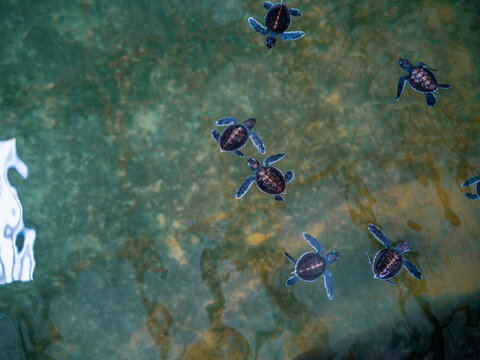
[[292, 35], [215, 135], [272, 159], [291, 281], [289, 176], [295, 12], [422, 65], [313, 242], [444, 86], [292, 260], [267, 5], [379, 235], [226, 121], [238, 153], [471, 181], [242, 190], [328, 284], [430, 99], [412, 269], [257, 142], [257, 26], [401, 85], [279, 198]]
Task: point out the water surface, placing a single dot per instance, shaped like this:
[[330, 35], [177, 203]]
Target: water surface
[[142, 249]]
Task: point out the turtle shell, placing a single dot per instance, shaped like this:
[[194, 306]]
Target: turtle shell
[[271, 180], [387, 263], [233, 138], [310, 266], [423, 80], [278, 18]]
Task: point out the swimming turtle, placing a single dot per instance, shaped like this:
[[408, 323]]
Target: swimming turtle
[[269, 179], [388, 262], [420, 79], [277, 20], [235, 136], [471, 181], [311, 265]]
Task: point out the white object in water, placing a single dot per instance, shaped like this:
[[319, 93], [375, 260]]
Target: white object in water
[[15, 265]]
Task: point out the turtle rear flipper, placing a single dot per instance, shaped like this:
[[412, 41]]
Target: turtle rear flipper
[[401, 86], [242, 190], [279, 198], [226, 121], [328, 284], [292, 260], [444, 86], [368, 258], [412, 269], [267, 5], [291, 281], [257, 26], [238, 153], [430, 99], [313, 242], [472, 196], [215, 135], [257, 142], [295, 12], [289, 176], [422, 65], [292, 35]]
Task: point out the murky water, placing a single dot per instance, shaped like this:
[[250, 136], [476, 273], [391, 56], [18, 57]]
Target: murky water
[[142, 249]]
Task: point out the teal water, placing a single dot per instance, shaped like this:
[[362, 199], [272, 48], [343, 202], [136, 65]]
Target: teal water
[[142, 249]]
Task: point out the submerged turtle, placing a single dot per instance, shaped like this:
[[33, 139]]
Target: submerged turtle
[[269, 179], [277, 21], [235, 136], [420, 79], [388, 262], [311, 265], [469, 182]]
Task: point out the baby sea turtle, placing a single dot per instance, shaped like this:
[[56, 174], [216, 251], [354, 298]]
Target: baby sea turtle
[[235, 136], [388, 262], [277, 21], [420, 79], [269, 179], [311, 265], [469, 182]]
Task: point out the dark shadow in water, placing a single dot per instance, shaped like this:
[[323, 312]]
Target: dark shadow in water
[[418, 345], [25, 328], [221, 341]]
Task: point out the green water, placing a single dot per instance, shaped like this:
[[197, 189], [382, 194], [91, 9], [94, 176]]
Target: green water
[[142, 249]]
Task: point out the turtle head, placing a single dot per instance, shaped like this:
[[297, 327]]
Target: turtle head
[[270, 41], [404, 247], [250, 123], [331, 256], [405, 64], [253, 164]]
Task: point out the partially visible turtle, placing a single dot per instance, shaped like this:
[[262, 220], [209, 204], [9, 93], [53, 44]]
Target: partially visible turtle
[[469, 182], [388, 262], [277, 21], [235, 136], [311, 265], [421, 79], [269, 179]]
